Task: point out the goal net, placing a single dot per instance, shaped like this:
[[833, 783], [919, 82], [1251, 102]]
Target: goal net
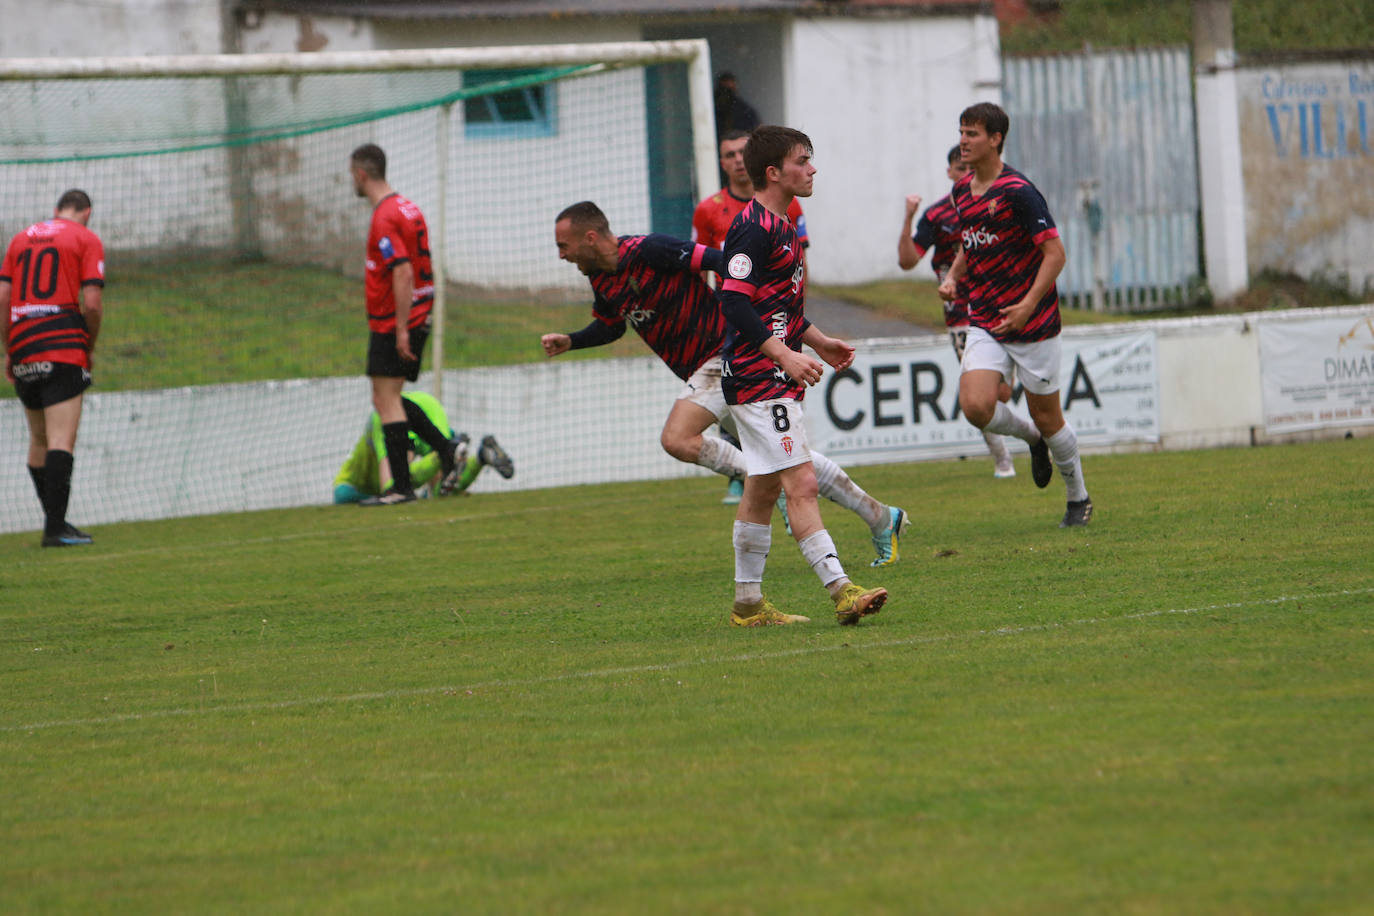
[[229, 372]]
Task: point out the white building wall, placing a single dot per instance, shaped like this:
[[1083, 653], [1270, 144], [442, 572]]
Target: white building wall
[[880, 100], [133, 28]]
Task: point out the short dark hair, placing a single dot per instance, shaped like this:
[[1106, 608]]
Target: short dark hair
[[585, 215], [733, 133], [74, 200], [370, 158], [953, 154], [992, 118], [770, 145]]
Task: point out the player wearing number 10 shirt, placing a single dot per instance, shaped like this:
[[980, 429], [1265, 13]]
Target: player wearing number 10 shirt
[[764, 377], [50, 295]]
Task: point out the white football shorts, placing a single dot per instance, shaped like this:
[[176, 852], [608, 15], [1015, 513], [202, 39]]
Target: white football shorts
[[1036, 364], [772, 434]]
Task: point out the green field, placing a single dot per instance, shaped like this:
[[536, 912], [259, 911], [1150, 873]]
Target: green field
[[532, 703]]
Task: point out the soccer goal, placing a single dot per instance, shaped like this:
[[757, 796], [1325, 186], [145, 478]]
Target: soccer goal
[[234, 239]]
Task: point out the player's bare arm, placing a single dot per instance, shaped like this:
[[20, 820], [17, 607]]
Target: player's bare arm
[[92, 310], [949, 286], [836, 352], [402, 289], [5, 288], [907, 255], [803, 369], [1053, 259]]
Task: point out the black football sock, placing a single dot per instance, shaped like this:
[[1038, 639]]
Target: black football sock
[[40, 476], [57, 489], [398, 455], [424, 427]]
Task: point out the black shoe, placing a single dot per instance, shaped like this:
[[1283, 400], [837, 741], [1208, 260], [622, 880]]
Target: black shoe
[[1077, 514], [494, 456], [71, 536], [1042, 469], [458, 456], [391, 497]]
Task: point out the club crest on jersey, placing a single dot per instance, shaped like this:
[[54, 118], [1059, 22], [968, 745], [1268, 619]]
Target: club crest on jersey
[[787, 445], [992, 207], [740, 266]]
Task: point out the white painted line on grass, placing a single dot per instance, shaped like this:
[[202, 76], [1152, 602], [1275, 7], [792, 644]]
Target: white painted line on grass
[[375, 696]]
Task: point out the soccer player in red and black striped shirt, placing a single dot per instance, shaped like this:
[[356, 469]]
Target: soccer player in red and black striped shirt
[[399, 288], [1010, 256], [51, 283], [764, 376], [653, 283], [938, 232]]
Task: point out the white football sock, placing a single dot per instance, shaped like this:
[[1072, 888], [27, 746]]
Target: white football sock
[[1064, 450], [751, 554], [722, 457], [998, 449], [837, 486], [1006, 422], [819, 551]]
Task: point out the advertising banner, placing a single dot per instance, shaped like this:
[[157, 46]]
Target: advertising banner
[[1317, 372], [900, 399]]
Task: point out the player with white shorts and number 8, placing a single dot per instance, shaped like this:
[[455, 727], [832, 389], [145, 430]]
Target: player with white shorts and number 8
[[765, 375]]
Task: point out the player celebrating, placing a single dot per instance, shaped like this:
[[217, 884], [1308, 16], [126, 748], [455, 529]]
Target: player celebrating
[[711, 221], [938, 229], [764, 376], [712, 218], [400, 296], [366, 472], [51, 322], [653, 283], [1012, 254]]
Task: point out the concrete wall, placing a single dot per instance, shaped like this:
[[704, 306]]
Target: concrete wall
[[880, 100], [1307, 138], [193, 451]]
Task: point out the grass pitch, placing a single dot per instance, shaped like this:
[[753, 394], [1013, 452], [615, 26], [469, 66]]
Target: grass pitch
[[532, 703]]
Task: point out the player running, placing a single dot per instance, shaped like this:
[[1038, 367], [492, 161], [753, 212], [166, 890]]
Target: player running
[[1012, 254], [938, 232], [764, 376], [653, 283]]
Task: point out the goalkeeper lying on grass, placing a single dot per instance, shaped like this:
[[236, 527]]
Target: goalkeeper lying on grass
[[362, 473]]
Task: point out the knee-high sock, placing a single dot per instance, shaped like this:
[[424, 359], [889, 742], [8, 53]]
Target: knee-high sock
[[424, 427], [819, 550], [751, 554], [38, 475], [722, 457], [837, 486], [57, 489], [1064, 450], [397, 455], [998, 449], [1007, 422]]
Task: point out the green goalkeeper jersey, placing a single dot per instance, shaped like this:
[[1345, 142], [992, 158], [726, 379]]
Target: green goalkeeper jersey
[[362, 468]]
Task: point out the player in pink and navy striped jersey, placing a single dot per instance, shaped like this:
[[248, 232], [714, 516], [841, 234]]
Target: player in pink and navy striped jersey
[[654, 284], [938, 233], [1009, 258], [765, 375]]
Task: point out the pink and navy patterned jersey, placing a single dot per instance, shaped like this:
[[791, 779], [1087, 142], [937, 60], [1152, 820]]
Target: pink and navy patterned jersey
[[763, 281], [1001, 231], [658, 289], [938, 228]]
